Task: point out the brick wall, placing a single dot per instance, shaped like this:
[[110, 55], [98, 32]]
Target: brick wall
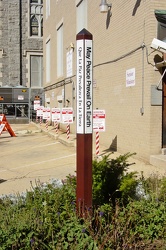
[[117, 42]]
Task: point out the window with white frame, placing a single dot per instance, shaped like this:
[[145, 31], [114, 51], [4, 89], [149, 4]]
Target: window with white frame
[[60, 51], [36, 73], [36, 18], [81, 15], [47, 8], [48, 61]]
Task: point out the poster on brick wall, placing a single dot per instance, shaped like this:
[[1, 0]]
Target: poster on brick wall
[[130, 77]]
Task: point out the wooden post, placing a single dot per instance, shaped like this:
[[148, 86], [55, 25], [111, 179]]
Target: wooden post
[[84, 121]]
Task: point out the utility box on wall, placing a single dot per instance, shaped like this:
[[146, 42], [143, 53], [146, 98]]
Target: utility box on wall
[[21, 95], [156, 96]]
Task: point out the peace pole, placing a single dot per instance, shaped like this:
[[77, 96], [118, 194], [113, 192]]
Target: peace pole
[[84, 120]]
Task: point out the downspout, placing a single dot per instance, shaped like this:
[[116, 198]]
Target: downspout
[[64, 96], [20, 23], [143, 74], [73, 97], [143, 66]]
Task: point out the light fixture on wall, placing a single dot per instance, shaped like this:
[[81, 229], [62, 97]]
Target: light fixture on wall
[[67, 102], [104, 6], [72, 46]]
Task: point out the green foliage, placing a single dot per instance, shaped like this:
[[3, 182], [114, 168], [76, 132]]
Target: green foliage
[[46, 217], [162, 195], [128, 186], [111, 180]]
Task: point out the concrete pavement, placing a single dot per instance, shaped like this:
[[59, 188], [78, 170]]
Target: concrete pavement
[[32, 157], [39, 154]]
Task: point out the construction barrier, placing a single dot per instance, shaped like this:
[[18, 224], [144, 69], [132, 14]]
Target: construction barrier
[[4, 125]]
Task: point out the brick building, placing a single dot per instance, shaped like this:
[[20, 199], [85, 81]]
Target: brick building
[[21, 55], [126, 70]]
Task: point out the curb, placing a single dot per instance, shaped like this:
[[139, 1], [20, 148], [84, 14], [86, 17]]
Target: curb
[[61, 136]]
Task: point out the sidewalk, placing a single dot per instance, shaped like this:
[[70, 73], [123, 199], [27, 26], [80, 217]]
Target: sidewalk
[[137, 165]]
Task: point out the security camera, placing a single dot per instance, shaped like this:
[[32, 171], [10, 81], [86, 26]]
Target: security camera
[[158, 45]]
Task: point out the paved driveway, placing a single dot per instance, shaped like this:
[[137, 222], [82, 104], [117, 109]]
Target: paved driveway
[[38, 155], [31, 157]]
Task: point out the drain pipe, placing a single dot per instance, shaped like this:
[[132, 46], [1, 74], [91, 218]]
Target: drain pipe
[[20, 20], [143, 74], [73, 96]]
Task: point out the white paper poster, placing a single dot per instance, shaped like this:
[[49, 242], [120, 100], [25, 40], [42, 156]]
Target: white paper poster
[[130, 77]]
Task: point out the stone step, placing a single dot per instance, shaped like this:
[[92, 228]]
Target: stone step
[[158, 161]]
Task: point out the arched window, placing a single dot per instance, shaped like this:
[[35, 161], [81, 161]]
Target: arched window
[[34, 26], [36, 18]]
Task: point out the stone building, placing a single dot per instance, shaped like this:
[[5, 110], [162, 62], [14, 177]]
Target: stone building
[[21, 55], [128, 79]]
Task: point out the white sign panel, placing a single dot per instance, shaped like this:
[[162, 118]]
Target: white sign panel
[[98, 120], [40, 111], [2, 127], [84, 87], [46, 114], [67, 115], [56, 114], [69, 60], [88, 87], [130, 77], [20, 97], [80, 89], [36, 104]]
